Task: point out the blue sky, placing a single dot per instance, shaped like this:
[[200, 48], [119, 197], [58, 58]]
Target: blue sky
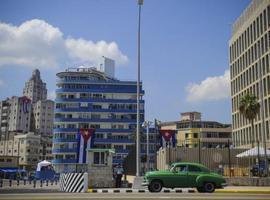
[[184, 48]]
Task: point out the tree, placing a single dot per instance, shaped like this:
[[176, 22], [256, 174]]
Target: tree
[[249, 107]]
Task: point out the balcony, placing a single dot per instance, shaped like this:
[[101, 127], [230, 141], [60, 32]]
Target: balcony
[[60, 100], [95, 120], [59, 140], [100, 130], [103, 141], [89, 109], [66, 161], [65, 150], [122, 151], [100, 90], [107, 82]]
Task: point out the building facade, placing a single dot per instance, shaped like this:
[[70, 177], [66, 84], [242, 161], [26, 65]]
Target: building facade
[[15, 116], [4, 113], [43, 114], [35, 89], [25, 147], [191, 131], [250, 71], [87, 98]]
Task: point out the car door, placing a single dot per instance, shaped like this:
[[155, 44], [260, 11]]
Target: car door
[[192, 174], [180, 178]]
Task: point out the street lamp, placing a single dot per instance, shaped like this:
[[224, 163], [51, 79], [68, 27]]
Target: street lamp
[[146, 125], [140, 3]]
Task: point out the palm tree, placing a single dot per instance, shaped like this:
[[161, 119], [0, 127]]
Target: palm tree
[[249, 107]]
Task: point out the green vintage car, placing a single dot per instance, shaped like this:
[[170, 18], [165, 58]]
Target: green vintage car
[[184, 175]]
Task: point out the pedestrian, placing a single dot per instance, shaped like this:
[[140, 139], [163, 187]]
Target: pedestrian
[[118, 173]]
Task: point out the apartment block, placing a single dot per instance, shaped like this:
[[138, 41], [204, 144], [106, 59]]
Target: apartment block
[[88, 98]]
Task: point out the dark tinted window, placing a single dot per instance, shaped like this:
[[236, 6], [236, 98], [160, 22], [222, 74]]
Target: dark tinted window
[[192, 168]]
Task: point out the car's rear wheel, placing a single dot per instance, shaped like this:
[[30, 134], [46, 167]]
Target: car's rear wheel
[[209, 187], [155, 186]]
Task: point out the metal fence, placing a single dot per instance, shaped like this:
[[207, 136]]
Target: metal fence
[[220, 156]]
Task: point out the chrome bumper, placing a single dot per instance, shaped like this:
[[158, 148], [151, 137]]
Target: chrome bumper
[[145, 183]]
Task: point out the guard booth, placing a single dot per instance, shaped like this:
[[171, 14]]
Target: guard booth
[[100, 168]]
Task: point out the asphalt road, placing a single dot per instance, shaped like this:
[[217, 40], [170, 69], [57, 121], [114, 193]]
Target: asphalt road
[[122, 196]]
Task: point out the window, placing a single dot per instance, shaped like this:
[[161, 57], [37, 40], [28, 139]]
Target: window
[[99, 158], [180, 168], [192, 168]]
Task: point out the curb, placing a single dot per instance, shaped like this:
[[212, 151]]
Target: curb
[[244, 191], [136, 191]]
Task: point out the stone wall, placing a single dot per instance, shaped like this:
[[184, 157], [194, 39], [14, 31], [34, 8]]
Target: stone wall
[[100, 176], [248, 181]]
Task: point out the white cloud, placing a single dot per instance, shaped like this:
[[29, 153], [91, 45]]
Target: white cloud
[[52, 95], [86, 51], [212, 88], [36, 43]]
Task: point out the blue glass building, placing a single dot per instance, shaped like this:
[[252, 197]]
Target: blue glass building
[[88, 98]]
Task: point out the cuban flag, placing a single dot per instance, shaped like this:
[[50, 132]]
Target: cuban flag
[[85, 138], [167, 138], [25, 104]]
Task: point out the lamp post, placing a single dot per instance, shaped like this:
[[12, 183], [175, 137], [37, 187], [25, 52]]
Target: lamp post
[[140, 3]]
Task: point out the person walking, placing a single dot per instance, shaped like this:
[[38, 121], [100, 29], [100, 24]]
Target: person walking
[[118, 175]]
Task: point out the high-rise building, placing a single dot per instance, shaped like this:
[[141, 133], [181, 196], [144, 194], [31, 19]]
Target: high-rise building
[[35, 88], [88, 98], [250, 71], [19, 117], [43, 114], [15, 116]]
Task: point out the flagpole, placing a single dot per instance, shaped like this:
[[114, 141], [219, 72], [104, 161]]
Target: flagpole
[[140, 3]]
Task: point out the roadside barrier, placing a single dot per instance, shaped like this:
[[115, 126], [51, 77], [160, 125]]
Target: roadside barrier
[[18, 183], [73, 182]]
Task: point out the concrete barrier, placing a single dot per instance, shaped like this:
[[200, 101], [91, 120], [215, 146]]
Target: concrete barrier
[[74, 182]]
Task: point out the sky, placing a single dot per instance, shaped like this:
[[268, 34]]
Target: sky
[[184, 48]]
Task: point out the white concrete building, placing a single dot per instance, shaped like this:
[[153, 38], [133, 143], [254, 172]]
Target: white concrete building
[[250, 71], [30, 148], [19, 114]]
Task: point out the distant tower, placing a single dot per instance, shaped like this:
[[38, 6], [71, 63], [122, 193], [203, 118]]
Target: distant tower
[[108, 67], [34, 88]]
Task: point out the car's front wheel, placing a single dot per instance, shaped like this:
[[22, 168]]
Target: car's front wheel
[[155, 186], [209, 187]]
